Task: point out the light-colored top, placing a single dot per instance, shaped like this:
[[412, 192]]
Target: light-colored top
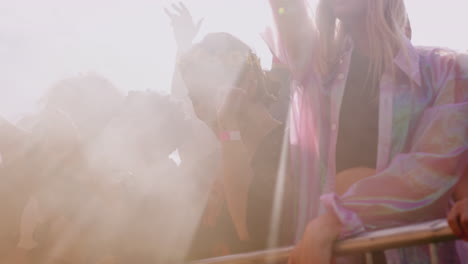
[[422, 141]]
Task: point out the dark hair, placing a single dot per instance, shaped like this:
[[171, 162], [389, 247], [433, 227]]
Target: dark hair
[[225, 47]]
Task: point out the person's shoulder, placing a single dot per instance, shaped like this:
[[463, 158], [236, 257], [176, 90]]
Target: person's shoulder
[[445, 59], [443, 54], [449, 69], [462, 63], [434, 49]]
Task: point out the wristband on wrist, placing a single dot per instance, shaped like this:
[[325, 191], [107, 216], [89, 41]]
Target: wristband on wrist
[[229, 136]]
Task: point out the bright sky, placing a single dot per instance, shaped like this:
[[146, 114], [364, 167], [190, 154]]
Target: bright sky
[[131, 43]]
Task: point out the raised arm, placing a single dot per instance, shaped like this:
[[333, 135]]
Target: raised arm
[[185, 30], [294, 35]]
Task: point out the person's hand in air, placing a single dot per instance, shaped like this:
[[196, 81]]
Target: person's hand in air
[[316, 245], [185, 29], [458, 219]]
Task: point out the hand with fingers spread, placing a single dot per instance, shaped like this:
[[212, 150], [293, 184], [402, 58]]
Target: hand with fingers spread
[[183, 25], [458, 219]]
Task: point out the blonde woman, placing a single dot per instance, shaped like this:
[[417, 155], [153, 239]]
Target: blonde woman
[[378, 127]]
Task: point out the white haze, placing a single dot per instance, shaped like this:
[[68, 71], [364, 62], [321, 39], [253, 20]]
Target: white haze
[[131, 43]]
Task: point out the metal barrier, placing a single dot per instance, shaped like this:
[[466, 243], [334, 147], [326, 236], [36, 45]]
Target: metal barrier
[[417, 234]]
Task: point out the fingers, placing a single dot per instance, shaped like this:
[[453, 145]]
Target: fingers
[[463, 221], [177, 8], [175, 11], [458, 221], [183, 8], [169, 13]]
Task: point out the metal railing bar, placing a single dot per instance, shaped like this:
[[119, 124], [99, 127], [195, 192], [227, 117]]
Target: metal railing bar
[[397, 237]]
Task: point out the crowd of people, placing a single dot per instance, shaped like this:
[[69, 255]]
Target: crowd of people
[[352, 129], [97, 176], [90, 177]]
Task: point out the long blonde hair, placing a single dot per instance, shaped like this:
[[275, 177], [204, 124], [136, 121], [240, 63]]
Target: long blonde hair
[[386, 21]]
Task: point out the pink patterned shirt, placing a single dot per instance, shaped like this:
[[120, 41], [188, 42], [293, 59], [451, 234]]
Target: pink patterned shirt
[[422, 141]]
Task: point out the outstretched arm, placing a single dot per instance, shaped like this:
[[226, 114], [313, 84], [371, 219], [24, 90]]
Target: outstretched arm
[[294, 35], [184, 27], [185, 30]]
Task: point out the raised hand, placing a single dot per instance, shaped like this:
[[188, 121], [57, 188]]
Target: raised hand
[[183, 25]]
